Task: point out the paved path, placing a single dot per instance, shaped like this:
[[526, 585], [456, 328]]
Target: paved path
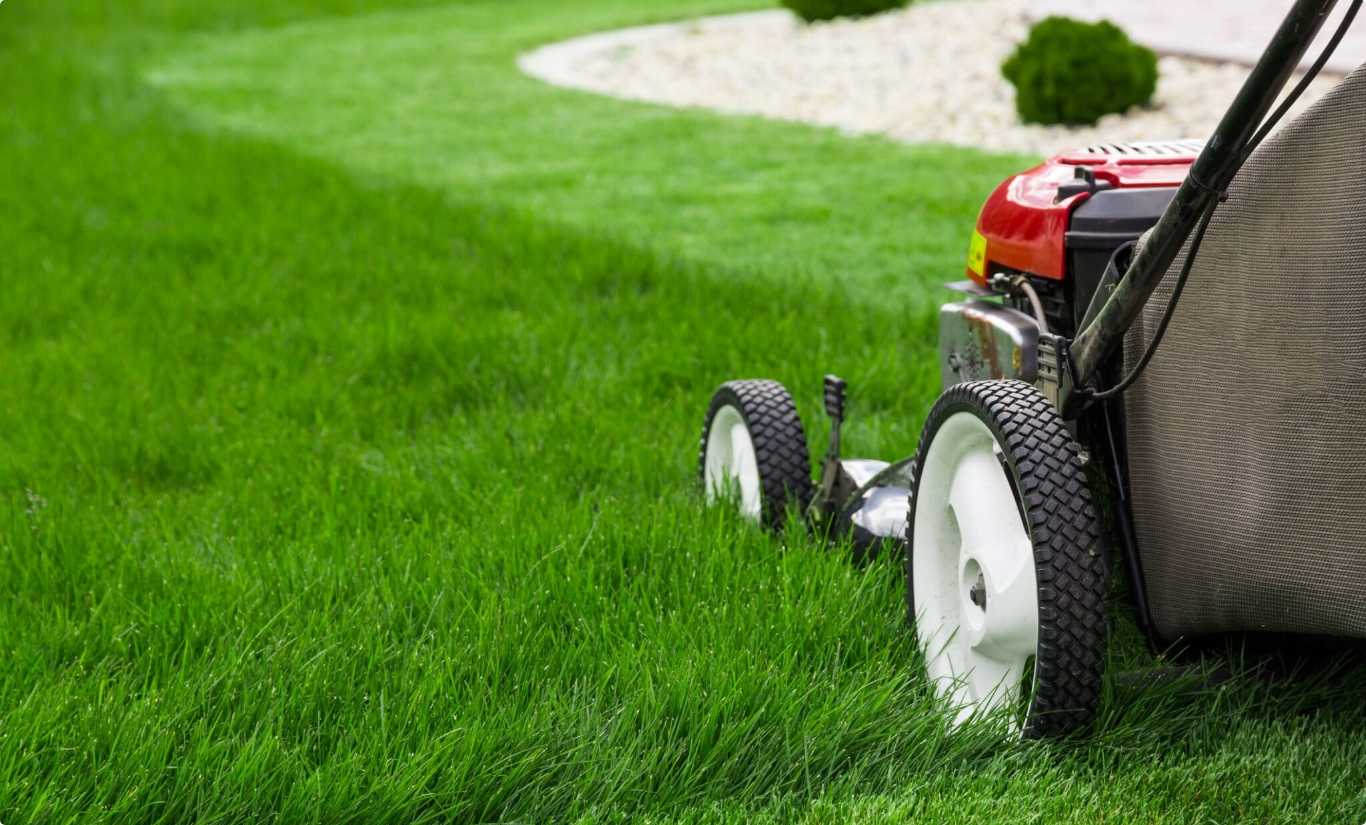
[[1232, 30]]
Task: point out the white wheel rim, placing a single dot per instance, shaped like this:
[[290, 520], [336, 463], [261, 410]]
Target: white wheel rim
[[732, 471], [968, 536]]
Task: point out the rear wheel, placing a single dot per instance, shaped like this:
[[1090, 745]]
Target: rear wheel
[[1005, 576], [753, 451]]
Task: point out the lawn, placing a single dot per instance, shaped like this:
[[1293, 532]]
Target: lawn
[[349, 394]]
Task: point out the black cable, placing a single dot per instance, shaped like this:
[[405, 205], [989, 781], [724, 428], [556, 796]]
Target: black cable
[[1167, 314], [1266, 128], [1303, 85]]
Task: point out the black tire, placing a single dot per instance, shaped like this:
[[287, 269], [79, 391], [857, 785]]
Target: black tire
[[779, 440], [1050, 485]]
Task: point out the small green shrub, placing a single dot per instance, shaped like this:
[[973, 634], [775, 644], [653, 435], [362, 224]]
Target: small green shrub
[[810, 10], [1072, 72]]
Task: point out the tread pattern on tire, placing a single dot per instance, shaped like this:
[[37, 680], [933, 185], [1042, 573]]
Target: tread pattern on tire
[[1051, 483], [779, 443]]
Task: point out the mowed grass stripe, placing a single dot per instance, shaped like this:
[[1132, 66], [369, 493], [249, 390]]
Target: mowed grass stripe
[[434, 97]]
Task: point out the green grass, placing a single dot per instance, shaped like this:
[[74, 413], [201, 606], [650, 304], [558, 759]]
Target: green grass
[[430, 97], [349, 389]]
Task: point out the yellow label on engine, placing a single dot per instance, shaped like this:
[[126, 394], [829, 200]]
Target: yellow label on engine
[[977, 254]]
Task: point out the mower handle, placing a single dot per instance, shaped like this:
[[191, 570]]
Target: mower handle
[[1207, 181]]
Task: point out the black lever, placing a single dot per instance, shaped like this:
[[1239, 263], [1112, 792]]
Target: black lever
[[834, 407]]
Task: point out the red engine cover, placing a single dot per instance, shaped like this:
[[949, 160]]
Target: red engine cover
[[1023, 224]]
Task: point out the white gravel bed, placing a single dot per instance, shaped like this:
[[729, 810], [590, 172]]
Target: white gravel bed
[[928, 73]]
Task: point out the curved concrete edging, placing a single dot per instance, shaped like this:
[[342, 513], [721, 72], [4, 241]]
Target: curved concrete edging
[[556, 63]]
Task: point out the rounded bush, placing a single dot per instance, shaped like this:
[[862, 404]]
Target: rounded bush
[[811, 10], [1071, 72]]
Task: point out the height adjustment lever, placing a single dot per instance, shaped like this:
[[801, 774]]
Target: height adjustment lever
[[834, 407], [823, 505], [834, 397]]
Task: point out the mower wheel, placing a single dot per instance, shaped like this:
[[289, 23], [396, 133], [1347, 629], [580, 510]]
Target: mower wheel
[[754, 450], [1005, 579]]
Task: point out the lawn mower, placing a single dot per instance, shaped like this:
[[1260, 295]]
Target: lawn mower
[[1226, 475]]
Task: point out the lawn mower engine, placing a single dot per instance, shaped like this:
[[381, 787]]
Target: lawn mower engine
[[1042, 242], [1036, 260]]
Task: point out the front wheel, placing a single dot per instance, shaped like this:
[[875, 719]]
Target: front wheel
[[753, 451], [1005, 576]]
